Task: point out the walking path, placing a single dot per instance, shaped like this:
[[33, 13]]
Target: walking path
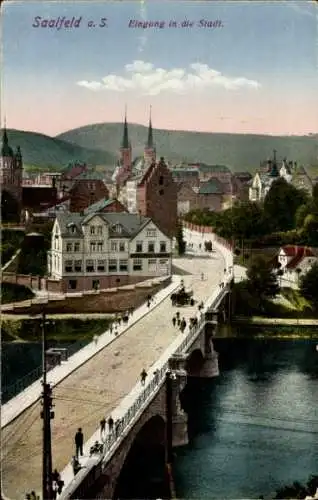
[[95, 388]]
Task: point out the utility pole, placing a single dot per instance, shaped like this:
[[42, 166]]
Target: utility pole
[[46, 415]]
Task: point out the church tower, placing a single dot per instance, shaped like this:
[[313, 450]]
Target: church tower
[[125, 150], [150, 150], [11, 167]]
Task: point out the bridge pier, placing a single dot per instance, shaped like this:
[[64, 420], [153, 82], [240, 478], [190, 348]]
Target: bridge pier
[[178, 416]]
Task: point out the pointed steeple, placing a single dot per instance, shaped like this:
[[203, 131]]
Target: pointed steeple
[[150, 135], [5, 150], [125, 142]]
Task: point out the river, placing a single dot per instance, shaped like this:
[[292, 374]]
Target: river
[[255, 427]]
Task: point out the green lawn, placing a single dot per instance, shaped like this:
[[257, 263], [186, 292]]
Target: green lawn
[[29, 330]]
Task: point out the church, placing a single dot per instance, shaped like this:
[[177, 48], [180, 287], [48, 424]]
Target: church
[[11, 169], [145, 185]]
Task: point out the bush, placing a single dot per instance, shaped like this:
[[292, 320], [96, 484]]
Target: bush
[[11, 292]]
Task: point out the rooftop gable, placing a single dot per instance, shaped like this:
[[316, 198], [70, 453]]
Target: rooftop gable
[[212, 186]]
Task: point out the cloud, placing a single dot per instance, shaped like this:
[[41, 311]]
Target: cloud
[[145, 78]]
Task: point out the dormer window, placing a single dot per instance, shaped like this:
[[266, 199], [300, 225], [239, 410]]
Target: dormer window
[[71, 227], [117, 228]]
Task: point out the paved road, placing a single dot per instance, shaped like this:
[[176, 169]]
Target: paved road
[[97, 387]]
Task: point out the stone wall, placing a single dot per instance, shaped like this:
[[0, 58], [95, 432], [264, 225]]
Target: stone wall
[[106, 301]]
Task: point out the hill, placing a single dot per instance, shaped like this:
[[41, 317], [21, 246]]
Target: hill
[[238, 151], [40, 150]]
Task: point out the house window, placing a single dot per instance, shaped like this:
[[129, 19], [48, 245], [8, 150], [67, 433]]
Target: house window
[[113, 246], [123, 265], [69, 247], [151, 246], [89, 266], [163, 263], [161, 180], [118, 228], [93, 246], [151, 233], [161, 192], [99, 246], [76, 247], [137, 265], [68, 266], [112, 265], [139, 246], [72, 284], [122, 246], [99, 230], [163, 247], [101, 265], [152, 264], [78, 266], [92, 229]]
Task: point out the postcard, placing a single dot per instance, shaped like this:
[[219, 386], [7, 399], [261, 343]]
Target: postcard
[[159, 249]]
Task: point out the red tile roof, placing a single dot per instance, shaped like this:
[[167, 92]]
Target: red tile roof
[[301, 252]]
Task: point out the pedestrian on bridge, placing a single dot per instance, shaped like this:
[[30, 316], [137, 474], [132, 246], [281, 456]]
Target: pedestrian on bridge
[[202, 276], [102, 427], [174, 320], [110, 424], [95, 338], [143, 376], [79, 439], [76, 465]]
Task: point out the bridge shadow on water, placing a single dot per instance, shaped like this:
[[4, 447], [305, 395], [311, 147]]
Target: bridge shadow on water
[[144, 472]]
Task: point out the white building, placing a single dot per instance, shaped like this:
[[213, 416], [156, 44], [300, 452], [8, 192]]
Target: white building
[[104, 250], [295, 261]]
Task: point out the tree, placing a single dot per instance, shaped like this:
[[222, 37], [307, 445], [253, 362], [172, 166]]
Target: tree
[[262, 280], [180, 239], [309, 285], [310, 230], [281, 204]]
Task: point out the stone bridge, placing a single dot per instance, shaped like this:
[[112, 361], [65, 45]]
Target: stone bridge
[[88, 388], [151, 417]]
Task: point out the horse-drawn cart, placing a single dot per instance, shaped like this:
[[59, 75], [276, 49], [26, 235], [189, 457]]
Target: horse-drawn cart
[[182, 297]]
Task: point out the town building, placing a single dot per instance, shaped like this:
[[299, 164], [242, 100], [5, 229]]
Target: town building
[[105, 250], [296, 261], [157, 197], [105, 206], [88, 188], [273, 170], [11, 171]]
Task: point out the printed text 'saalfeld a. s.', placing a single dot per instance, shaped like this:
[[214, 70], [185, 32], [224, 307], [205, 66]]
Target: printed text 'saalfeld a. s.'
[[62, 22]]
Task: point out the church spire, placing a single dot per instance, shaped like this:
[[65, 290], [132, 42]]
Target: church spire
[[125, 141], [150, 135], [5, 150]]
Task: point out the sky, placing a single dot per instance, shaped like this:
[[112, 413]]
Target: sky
[[240, 67]]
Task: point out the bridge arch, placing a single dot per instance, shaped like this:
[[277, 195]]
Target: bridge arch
[[195, 362], [142, 474]]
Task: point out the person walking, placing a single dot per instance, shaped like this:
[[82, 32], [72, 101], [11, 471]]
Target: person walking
[[102, 427], [174, 319], [95, 338], [110, 424], [143, 376], [79, 439]]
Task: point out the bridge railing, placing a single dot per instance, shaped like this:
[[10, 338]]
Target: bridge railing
[[137, 403]]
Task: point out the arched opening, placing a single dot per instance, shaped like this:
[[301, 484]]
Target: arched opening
[[143, 474], [195, 363], [10, 208]]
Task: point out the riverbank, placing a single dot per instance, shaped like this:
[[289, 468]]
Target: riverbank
[[279, 331], [59, 330]]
